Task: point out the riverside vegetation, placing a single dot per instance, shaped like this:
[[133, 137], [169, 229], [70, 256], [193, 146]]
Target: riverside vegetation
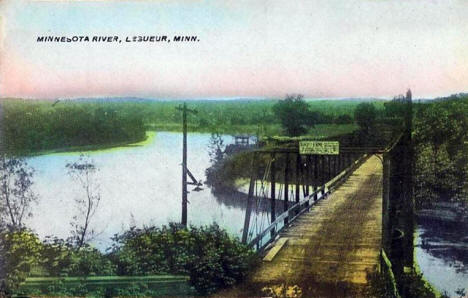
[[208, 255], [33, 127], [40, 126], [439, 134]]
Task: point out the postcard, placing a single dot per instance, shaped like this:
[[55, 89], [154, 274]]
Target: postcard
[[233, 148]]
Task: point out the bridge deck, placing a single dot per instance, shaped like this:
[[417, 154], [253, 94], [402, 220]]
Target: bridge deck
[[330, 248]]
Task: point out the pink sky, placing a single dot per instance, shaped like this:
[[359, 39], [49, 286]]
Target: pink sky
[[319, 48]]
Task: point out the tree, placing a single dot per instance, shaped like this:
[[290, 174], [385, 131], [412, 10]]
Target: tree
[[216, 148], [344, 119], [294, 114], [441, 170], [16, 195], [365, 115], [83, 171]]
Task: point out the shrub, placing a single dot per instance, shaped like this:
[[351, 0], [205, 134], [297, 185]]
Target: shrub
[[344, 119], [19, 252], [56, 256], [211, 258], [60, 258], [88, 261], [218, 261], [151, 250]]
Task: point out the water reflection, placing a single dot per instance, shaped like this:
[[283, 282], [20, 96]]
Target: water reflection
[[139, 185], [442, 254]]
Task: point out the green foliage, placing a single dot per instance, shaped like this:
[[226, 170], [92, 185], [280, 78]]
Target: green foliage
[[211, 258], [415, 286], [16, 196], [61, 258], [209, 255], [151, 250], [108, 286], [222, 174], [441, 170], [88, 261], [218, 261], [31, 126], [237, 116], [22, 251], [294, 115], [378, 285], [35, 126], [396, 108], [56, 256], [365, 116], [344, 119], [19, 252], [411, 284]]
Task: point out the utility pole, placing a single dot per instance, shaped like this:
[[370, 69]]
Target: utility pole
[[184, 110], [1, 127]]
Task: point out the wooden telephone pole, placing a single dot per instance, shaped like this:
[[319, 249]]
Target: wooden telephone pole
[[184, 110]]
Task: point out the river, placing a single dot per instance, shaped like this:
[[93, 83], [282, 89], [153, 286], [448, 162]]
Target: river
[[139, 185], [442, 254]]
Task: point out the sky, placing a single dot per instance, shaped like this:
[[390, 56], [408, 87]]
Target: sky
[[270, 48]]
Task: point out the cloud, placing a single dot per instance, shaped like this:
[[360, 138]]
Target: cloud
[[265, 48]]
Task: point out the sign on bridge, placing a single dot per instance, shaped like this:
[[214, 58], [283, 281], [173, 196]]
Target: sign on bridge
[[319, 147]]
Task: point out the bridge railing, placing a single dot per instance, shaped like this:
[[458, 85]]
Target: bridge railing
[[387, 271], [261, 241]]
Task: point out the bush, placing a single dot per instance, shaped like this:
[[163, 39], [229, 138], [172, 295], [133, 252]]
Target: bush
[[151, 250], [294, 114], [212, 259], [19, 252], [209, 255], [88, 261], [56, 256], [344, 119], [415, 286], [60, 258], [365, 116], [218, 261]]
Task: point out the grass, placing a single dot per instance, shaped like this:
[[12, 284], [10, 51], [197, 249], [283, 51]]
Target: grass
[[418, 271], [319, 131], [322, 131], [106, 279], [39, 127], [159, 285]]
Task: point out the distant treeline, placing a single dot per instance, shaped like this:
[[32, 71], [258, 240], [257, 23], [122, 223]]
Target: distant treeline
[[32, 125], [230, 113]]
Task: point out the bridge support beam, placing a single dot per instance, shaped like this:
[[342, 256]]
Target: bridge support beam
[[386, 228], [298, 180], [248, 210], [307, 176], [316, 179], [286, 186], [335, 165], [273, 187], [324, 178]]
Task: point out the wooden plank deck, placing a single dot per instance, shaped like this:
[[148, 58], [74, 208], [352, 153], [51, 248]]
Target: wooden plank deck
[[330, 248]]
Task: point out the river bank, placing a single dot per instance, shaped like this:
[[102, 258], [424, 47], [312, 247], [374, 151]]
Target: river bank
[[441, 247], [149, 137], [139, 185]]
